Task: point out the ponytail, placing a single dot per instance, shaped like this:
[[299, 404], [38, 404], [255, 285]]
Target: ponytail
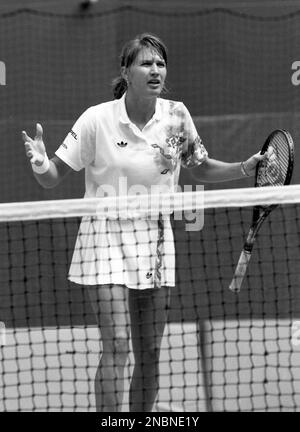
[[119, 85]]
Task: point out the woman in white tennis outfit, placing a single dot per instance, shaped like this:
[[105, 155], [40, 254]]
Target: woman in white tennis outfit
[[132, 143]]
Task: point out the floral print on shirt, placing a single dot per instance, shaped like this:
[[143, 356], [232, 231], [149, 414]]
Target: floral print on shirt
[[181, 143], [169, 154], [196, 153]]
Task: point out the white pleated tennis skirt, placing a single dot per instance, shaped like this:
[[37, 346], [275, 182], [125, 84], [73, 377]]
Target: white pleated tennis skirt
[[122, 252]]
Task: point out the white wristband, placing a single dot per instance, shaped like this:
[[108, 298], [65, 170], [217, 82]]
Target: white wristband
[[41, 169]]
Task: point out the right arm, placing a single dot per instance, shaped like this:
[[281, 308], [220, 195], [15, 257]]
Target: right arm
[[48, 173]]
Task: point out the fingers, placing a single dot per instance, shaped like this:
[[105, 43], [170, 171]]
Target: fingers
[[39, 132], [27, 146], [35, 158], [251, 163], [26, 137], [258, 156], [32, 159], [38, 135], [30, 144], [28, 150]]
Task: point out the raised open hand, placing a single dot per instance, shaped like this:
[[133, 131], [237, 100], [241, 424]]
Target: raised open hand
[[35, 148]]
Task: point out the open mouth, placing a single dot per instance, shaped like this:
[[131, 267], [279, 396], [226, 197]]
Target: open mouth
[[154, 82]]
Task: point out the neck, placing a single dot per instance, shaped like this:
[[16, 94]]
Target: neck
[[139, 110]]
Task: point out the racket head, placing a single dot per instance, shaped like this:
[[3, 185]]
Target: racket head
[[277, 168]]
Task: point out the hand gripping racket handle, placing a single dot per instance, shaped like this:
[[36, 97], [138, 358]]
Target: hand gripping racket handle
[[240, 271]]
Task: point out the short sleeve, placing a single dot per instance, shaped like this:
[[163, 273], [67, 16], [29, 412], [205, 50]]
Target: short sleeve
[[78, 148], [193, 152]]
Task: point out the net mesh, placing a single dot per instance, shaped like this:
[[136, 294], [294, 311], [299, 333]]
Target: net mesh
[[219, 351]]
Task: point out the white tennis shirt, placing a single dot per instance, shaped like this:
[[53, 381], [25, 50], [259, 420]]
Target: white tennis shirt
[[119, 159], [109, 146]]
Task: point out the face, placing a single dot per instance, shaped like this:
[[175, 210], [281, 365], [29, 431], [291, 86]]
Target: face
[[146, 76]]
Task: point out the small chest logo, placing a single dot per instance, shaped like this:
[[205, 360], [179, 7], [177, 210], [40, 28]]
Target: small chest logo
[[148, 275], [122, 144]]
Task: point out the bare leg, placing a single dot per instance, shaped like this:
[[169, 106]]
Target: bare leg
[[110, 306], [148, 314]]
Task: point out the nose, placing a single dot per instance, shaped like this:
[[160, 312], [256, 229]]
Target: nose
[[154, 69]]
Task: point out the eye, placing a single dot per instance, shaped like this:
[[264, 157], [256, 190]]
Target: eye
[[161, 64]]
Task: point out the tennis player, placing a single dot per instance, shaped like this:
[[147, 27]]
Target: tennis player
[[128, 266]]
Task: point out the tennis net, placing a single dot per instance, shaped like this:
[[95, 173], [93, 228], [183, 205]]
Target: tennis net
[[220, 351]]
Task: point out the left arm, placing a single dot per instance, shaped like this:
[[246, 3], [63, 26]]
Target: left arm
[[212, 170], [203, 169]]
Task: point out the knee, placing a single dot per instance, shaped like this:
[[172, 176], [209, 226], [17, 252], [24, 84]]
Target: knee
[[121, 346], [117, 346]]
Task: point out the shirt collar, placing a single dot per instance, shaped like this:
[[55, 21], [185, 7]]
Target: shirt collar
[[124, 116]]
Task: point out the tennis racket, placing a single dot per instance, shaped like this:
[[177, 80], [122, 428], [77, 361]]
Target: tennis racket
[[275, 170]]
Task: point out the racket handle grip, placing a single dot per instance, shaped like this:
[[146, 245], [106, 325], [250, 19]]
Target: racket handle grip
[[240, 271]]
